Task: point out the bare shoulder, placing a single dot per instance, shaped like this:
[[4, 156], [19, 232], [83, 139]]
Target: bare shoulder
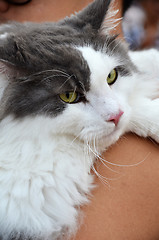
[[123, 209]]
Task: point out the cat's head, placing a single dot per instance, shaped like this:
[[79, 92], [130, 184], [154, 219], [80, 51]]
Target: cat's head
[[72, 71]]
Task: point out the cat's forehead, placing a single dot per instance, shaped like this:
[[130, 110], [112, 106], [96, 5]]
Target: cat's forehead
[[59, 45], [61, 48], [101, 63]]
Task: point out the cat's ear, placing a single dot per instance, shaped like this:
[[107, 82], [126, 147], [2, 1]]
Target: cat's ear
[[11, 53], [16, 55], [12, 59], [98, 14], [9, 70]]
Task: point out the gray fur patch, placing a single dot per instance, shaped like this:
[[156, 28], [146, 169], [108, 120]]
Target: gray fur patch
[[46, 62]]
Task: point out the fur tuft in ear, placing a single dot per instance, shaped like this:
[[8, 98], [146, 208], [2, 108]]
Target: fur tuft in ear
[[100, 15], [111, 21], [9, 70]]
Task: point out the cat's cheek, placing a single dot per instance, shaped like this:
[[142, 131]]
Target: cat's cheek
[[71, 120]]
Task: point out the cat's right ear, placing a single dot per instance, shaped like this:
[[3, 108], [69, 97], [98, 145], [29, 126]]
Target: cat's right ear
[[98, 15], [8, 70]]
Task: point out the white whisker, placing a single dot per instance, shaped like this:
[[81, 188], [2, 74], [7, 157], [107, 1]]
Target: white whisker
[[119, 165], [66, 81], [53, 71]]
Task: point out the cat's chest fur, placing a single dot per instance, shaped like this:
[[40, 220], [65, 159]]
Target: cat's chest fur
[[43, 177]]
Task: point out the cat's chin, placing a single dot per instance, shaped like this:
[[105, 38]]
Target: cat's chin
[[109, 139], [116, 133]]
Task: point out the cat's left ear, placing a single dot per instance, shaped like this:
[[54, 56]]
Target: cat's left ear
[[97, 15]]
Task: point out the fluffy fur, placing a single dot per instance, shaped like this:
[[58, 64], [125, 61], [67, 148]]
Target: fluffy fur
[[47, 146]]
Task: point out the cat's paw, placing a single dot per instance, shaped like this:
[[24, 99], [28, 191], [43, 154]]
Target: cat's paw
[[147, 61], [145, 119]]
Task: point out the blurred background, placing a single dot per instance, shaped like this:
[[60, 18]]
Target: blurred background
[[141, 23], [140, 17]]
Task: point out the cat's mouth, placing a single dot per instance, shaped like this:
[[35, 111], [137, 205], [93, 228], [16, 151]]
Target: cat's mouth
[[112, 133], [105, 133], [108, 139], [98, 133]]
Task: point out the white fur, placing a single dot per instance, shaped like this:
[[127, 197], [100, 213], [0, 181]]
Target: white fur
[[111, 20], [145, 105], [45, 162], [43, 176], [3, 35]]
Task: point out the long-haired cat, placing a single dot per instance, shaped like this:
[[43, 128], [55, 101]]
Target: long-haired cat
[[68, 90]]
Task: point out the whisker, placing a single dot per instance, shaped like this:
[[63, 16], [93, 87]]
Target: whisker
[[112, 51], [98, 157], [109, 168], [51, 70], [51, 76], [101, 177], [83, 87], [120, 165], [28, 78], [66, 81], [75, 139]]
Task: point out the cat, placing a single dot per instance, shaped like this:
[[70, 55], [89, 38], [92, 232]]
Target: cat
[[68, 90]]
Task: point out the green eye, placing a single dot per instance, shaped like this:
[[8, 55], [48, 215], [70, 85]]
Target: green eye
[[112, 76], [69, 97]]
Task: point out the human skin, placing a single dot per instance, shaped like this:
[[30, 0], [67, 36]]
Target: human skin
[[127, 207]]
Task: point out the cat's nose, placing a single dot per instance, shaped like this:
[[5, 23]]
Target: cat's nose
[[115, 117]]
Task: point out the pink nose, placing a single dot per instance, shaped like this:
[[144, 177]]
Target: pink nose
[[115, 117]]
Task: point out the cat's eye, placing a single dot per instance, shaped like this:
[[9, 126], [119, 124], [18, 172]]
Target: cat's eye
[[69, 97], [112, 77]]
